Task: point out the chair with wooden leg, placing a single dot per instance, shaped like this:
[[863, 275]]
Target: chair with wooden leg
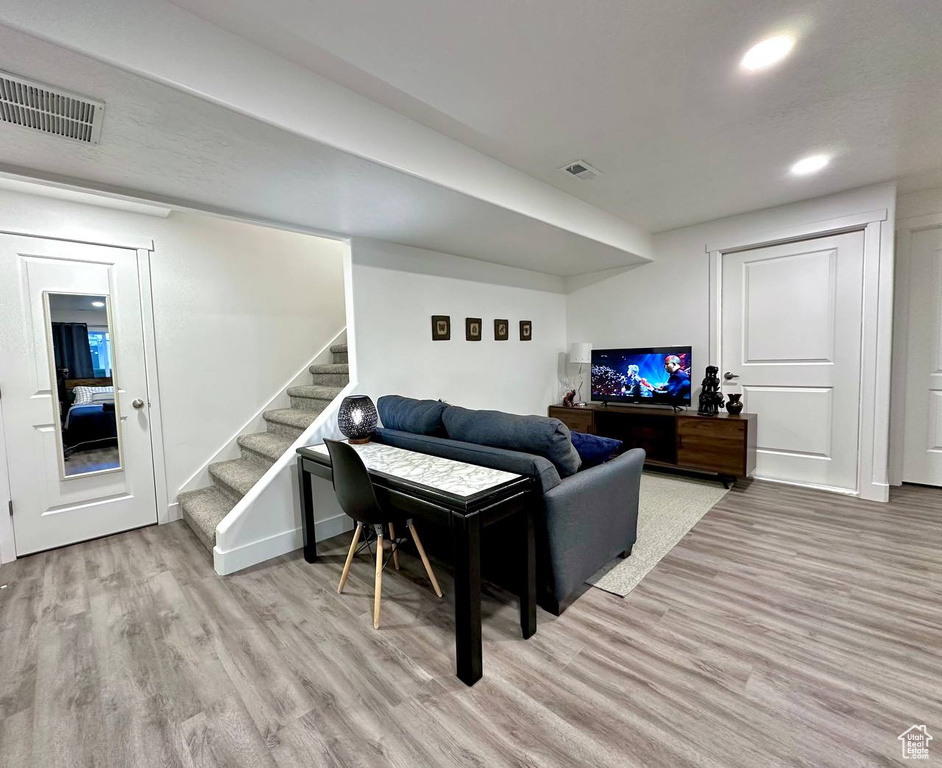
[[357, 498]]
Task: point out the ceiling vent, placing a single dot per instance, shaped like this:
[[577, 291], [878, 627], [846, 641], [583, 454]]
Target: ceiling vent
[[51, 110], [581, 170]]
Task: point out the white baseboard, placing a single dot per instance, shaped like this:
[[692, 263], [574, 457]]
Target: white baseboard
[[813, 486], [277, 545], [174, 512]]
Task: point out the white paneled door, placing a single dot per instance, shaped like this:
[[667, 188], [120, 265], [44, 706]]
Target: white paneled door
[[71, 316], [922, 451], [791, 343]]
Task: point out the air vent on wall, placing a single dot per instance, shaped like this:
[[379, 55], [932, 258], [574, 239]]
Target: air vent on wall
[[581, 170], [51, 110]]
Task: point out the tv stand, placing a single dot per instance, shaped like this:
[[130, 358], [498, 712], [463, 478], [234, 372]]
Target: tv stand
[[722, 445]]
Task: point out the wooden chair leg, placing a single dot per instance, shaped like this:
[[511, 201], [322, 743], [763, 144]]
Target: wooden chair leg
[[350, 554], [378, 587], [395, 552], [425, 562]]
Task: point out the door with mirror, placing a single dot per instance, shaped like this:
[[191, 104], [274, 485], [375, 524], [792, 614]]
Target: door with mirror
[[75, 412]]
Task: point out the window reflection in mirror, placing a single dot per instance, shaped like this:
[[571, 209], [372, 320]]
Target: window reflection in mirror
[[83, 375]]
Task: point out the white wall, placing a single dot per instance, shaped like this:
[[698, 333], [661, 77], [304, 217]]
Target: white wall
[[397, 289], [238, 309], [668, 301]]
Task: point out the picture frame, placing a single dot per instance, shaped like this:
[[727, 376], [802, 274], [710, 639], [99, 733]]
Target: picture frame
[[441, 328], [472, 328], [501, 330], [526, 330]]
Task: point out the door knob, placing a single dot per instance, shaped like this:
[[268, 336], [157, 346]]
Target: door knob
[[729, 375], [137, 403]]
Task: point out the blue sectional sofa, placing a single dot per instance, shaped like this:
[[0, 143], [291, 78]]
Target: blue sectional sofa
[[589, 515]]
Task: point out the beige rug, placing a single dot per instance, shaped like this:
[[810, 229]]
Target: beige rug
[[670, 507]]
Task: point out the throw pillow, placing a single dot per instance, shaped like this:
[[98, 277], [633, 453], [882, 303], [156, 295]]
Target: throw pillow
[[420, 417], [544, 437], [593, 449]]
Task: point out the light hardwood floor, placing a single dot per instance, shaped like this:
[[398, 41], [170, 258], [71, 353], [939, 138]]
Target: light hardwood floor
[[789, 628]]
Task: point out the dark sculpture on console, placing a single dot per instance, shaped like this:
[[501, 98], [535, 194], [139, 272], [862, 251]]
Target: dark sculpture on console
[[710, 396]]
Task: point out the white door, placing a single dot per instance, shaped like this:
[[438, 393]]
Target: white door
[[83, 470], [922, 452], [791, 332]]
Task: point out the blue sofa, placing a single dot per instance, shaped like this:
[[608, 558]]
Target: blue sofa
[[589, 516]]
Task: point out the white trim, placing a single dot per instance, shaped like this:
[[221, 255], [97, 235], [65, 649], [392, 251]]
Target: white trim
[[265, 549], [876, 342], [7, 540], [876, 332], [173, 513], [905, 229], [148, 327], [279, 480], [801, 232], [814, 486]]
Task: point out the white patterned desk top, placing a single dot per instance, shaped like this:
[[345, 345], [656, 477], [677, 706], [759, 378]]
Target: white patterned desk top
[[455, 477]]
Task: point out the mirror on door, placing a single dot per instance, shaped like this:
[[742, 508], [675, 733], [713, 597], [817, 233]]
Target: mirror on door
[[83, 376]]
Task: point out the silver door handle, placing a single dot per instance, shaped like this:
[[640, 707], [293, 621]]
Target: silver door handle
[[137, 403], [729, 376]]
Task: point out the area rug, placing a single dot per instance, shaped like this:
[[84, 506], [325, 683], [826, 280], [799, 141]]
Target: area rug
[[670, 507]]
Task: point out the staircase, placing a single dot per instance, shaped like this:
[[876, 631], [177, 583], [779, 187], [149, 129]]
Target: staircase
[[203, 509]]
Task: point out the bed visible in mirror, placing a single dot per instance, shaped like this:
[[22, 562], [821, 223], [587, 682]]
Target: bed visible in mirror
[[82, 368]]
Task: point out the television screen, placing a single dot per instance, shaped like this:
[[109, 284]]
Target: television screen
[[651, 375]]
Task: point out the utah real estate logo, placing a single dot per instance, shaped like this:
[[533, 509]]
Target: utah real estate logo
[[916, 743]]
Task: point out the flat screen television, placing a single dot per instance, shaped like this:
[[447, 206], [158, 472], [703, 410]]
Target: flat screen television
[[648, 375]]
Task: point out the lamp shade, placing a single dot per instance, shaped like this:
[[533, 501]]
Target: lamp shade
[[580, 352], [357, 418]]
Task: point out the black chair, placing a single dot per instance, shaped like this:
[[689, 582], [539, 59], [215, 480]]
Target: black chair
[[357, 498]]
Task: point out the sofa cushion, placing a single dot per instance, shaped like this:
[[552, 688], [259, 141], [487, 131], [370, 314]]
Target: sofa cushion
[[544, 437], [421, 417], [594, 449], [482, 455]]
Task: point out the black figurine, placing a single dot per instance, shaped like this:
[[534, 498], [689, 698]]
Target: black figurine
[[710, 396]]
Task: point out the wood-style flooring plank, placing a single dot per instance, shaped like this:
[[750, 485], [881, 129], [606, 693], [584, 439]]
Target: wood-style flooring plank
[[789, 627]]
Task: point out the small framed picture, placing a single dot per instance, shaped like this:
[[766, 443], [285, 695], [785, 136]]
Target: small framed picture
[[472, 328], [501, 330], [441, 328], [526, 330]]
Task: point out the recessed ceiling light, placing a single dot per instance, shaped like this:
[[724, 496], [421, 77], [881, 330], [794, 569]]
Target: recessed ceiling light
[[811, 164], [770, 51], [98, 303]]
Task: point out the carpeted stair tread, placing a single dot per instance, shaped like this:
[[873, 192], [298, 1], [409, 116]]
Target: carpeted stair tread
[[331, 369], [291, 417], [236, 475], [314, 392], [266, 444], [203, 510], [338, 348]]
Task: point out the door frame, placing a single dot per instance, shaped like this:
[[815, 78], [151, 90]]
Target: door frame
[[876, 330], [143, 249], [905, 229]]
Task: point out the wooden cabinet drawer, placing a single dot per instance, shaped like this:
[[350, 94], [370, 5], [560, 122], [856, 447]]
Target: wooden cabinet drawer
[[576, 419], [718, 445]]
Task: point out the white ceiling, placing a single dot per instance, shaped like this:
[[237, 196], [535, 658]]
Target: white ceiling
[[648, 92], [164, 145]]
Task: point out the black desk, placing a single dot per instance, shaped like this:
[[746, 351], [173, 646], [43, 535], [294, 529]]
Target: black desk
[[444, 502]]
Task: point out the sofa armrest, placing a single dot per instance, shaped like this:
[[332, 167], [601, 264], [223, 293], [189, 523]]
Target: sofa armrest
[[590, 518]]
